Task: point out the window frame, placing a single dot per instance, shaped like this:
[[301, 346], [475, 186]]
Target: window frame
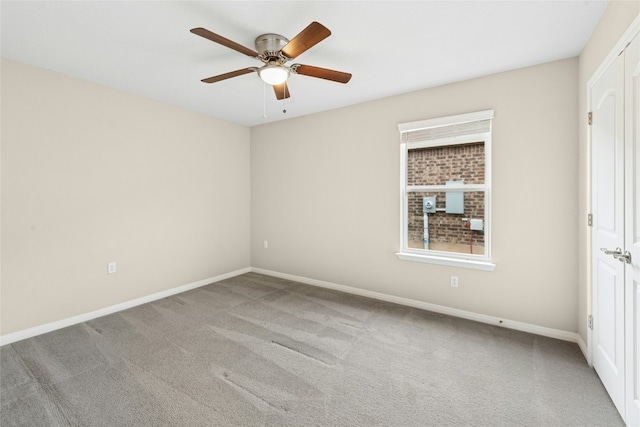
[[473, 261]]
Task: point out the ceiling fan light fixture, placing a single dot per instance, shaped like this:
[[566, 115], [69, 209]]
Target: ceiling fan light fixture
[[273, 74]]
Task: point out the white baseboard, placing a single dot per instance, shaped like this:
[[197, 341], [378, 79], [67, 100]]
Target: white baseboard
[[585, 350], [48, 327], [510, 324]]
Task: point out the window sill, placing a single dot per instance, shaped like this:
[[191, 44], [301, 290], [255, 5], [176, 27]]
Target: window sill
[[453, 262]]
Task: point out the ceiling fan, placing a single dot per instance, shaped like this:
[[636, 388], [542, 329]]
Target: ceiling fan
[[274, 51]]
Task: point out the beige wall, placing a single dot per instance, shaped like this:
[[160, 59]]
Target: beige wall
[[325, 194], [616, 19], [92, 175]]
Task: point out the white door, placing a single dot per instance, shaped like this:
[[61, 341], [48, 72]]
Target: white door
[[632, 233], [607, 139]]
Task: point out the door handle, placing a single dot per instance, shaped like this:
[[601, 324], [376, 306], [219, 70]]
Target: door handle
[[617, 254], [614, 252], [625, 257]]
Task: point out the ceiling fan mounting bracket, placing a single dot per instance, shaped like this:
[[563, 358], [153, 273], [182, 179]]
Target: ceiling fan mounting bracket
[[269, 48]]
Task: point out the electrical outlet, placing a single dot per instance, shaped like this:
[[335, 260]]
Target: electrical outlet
[[266, 244], [111, 267], [454, 281]]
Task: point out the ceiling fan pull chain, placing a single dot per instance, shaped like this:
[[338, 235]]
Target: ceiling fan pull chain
[[264, 100]]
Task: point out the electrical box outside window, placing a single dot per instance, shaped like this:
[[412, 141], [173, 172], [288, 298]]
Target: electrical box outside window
[[476, 224], [428, 205], [454, 199]]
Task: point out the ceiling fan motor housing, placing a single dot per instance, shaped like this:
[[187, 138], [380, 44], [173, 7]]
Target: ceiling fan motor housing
[[269, 46]]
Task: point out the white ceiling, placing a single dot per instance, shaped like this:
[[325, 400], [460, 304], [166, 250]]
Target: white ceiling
[[390, 47]]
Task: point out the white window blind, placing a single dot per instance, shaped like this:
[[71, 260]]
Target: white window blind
[[447, 127], [441, 132]]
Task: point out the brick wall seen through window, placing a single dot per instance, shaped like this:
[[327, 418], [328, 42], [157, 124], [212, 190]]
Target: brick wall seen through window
[[436, 166]]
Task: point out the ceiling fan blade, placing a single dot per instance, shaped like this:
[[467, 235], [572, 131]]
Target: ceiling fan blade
[[229, 75], [321, 73], [202, 32], [282, 91], [309, 37]]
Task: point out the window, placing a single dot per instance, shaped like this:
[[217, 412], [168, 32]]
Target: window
[[446, 190]]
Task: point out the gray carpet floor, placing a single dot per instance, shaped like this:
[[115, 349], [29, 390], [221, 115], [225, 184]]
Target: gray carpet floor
[[261, 351]]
